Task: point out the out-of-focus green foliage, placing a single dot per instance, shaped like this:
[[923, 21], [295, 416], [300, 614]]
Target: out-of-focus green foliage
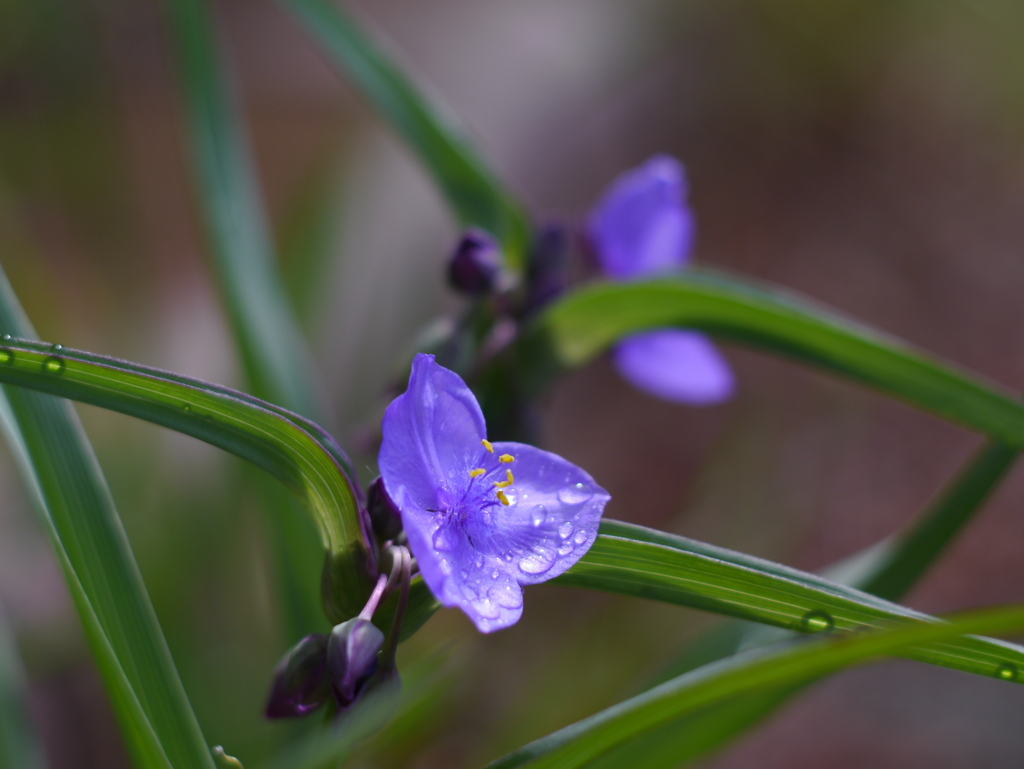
[[475, 196], [19, 748]]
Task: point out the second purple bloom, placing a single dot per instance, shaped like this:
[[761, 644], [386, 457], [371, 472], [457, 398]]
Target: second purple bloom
[[641, 228]]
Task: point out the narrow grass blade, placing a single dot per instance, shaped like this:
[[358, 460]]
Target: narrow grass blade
[[288, 446], [472, 191], [64, 480], [18, 746], [887, 570], [903, 560], [687, 573], [739, 676], [276, 358], [589, 320], [277, 362]]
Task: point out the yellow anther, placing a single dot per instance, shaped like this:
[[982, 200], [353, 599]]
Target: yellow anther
[[502, 498], [477, 473], [511, 480], [488, 445], [506, 458], [502, 484]]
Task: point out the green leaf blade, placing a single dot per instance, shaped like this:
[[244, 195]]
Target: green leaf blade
[[265, 435], [590, 319], [713, 579], [472, 191], [742, 675], [274, 352], [65, 483]]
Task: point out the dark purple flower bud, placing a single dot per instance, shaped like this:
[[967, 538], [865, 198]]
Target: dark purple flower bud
[[384, 515], [476, 263], [547, 274], [300, 681], [352, 657]]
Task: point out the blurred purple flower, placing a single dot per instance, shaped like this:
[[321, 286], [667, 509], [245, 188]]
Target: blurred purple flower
[[482, 519], [640, 228]]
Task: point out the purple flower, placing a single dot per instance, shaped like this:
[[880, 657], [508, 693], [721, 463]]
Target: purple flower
[[640, 228], [482, 519]]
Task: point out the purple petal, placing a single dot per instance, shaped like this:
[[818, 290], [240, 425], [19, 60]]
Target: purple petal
[[478, 562], [555, 510], [432, 434], [676, 365], [642, 225]]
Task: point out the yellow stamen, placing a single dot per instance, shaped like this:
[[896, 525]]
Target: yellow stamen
[[506, 458], [488, 445], [502, 497], [477, 473], [503, 484], [511, 480]]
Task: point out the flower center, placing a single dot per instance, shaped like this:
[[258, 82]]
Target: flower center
[[499, 486]]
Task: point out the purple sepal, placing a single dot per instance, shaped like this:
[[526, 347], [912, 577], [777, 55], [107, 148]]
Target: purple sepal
[[300, 680], [383, 512], [642, 226], [675, 365], [352, 657], [475, 551], [475, 265]]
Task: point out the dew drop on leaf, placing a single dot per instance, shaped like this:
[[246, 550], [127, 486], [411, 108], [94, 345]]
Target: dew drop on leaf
[[53, 365], [816, 621]]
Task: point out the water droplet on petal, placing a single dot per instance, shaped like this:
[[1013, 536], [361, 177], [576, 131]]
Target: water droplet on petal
[[538, 515], [486, 608], [815, 622], [537, 562], [464, 574], [581, 537], [506, 595], [1006, 672], [565, 529], [508, 557], [446, 568], [479, 560], [565, 548], [495, 573], [574, 494], [444, 539], [53, 365]]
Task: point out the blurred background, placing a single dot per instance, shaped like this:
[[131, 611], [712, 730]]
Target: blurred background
[[869, 155]]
